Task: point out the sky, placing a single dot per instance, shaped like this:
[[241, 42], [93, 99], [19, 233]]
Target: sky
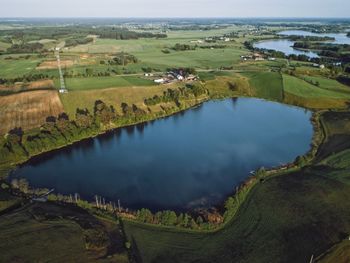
[[175, 8]]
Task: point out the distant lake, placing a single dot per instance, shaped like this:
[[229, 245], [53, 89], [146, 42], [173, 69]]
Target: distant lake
[[285, 46], [340, 38], [189, 160]]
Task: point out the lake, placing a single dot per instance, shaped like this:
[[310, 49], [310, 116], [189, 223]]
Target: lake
[[340, 38], [286, 46], [189, 160]]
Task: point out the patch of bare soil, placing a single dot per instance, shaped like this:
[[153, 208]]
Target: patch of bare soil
[[53, 64]]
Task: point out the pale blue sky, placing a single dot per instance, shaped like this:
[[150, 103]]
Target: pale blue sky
[[174, 8]]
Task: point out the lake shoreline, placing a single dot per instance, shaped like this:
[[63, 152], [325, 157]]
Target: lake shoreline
[[274, 168], [242, 191], [6, 169]]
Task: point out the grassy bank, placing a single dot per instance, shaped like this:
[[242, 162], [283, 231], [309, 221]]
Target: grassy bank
[[59, 233]]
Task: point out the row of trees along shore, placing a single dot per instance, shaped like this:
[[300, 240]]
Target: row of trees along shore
[[17, 145], [202, 220], [205, 219]]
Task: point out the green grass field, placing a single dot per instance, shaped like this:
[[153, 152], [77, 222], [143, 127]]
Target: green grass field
[[328, 94], [73, 84], [149, 51], [112, 96], [329, 84], [17, 67], [4, 46], [304, 89], [267, 85], [42, 232]]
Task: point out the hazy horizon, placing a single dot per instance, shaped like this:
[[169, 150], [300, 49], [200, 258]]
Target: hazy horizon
[[174, 9]]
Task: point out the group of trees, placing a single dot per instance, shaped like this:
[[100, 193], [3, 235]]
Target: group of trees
[[26, 48], [213, 47], [183, 47], [25, 78], [37, 33], [123, 59], [310, 38], [204, 220], [248, 45], [59, 131], [169, 218], [174, 95], [322, 46], [71, 42], [196, 27], [123, 34], [327, 51], [312, 82]]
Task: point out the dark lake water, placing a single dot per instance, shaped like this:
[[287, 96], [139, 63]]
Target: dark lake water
[[188, 160]]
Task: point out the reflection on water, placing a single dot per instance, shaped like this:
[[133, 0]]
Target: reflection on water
[[285, 46], [191, 159], [340, 38]]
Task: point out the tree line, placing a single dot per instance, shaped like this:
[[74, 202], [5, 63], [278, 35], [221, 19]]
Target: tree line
[[175, 95], [25, 78], [170, 218], [58, 131], [26, 48], [72, 42], [38, 33], [183, 47]]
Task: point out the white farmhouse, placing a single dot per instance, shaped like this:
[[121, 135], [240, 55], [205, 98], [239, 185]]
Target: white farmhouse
[[159, 81], [180, 77]]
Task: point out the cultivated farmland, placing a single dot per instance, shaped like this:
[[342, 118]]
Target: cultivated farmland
[[28, 109]]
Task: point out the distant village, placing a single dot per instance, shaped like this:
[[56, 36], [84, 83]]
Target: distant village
[[174, 75]]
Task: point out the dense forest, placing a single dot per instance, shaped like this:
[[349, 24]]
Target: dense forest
[[38, 33], [310, 38], [26, 48]]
